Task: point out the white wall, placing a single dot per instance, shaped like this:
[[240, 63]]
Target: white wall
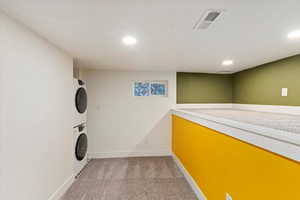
[[1, 122], [120, 124], [36, 115]]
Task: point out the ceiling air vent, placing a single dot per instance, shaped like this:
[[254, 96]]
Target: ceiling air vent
[[224, 72], [207, 19]]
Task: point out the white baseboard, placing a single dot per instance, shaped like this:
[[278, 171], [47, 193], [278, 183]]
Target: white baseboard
[[124, 154], [62, 189], [189, 179]]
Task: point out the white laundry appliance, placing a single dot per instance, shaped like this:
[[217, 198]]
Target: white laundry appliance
[[80, 148], [80, 102]]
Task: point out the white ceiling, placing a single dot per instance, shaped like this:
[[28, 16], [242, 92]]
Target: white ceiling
[[249, 32]]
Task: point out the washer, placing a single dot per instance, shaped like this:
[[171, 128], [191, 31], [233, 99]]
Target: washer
[[80, 148], [80, 99]]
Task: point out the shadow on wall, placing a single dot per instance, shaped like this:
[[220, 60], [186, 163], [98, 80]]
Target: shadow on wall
[[157, 142]]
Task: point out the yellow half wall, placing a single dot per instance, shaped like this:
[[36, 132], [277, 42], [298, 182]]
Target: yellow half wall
[[220, 164]]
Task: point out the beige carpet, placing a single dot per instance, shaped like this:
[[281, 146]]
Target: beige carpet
[[150, 178]]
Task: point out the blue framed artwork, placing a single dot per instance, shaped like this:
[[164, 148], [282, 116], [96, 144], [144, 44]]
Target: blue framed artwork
[[158, 89], [150, 88], [141, 89]]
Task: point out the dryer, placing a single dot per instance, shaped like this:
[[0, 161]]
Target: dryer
[[80, 100], [80, 148]]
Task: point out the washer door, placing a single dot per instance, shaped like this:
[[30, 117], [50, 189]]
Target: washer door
[[81, 146], [81, 100]]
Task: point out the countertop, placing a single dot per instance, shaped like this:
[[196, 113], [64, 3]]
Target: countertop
[[283, 122]]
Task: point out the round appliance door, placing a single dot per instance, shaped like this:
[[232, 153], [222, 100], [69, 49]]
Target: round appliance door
[[81, 100], [81, 146]]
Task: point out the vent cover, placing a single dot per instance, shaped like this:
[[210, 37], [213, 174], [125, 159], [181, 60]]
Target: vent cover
[[225, 72], [209, 17]]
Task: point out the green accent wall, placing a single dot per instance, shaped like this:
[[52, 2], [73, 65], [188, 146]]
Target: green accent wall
[[204, 88], [263, 84], [259, 85]]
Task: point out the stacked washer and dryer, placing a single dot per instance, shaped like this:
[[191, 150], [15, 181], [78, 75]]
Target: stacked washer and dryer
[[79, 126]]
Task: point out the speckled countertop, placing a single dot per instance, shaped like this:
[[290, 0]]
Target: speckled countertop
[[283, 122]]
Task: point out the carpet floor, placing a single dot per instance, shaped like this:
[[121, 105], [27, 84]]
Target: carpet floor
[[147, 178]]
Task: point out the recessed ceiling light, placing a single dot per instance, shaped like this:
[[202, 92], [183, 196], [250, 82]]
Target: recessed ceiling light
[[129, 40], [227, 62], [294, 34]]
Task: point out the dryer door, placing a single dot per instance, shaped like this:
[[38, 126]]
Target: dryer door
[[81, 146], [81, 100]]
